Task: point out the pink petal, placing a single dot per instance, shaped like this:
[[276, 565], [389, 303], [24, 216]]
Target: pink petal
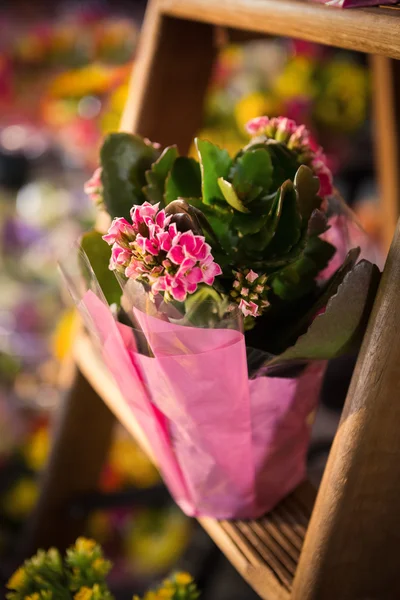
[[194, 276], [248, 308], [165, 240], [176, 255], [251, 276], [117, 229], [255, 126], [188, 240]]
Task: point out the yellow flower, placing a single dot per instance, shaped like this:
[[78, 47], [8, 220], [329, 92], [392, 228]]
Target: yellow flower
[[21, 498], [34, 596], [183, 578], [254, 105], [166, 593], [17, 579], [65, 334], [37, 449], [99, 564], [297, 79], [84, 593], [84, 545]]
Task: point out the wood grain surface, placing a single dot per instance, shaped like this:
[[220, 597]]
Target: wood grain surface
[[351, 548]]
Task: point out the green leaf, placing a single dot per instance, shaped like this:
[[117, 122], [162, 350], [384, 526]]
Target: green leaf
[[214, 163], [230, 195], [284, 163], [157, 175], [125, 158], [99, 254], [307, 187], [343, 323], [298, 278], [184, 180], [288, 229], [253, 174]]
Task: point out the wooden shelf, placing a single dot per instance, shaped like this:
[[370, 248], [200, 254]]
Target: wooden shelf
[[370, 30], [265, 551]]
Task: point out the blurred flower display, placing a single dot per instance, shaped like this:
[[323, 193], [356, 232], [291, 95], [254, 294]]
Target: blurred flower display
[[326, 89]]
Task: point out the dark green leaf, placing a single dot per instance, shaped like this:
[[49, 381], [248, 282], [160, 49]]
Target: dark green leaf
[[184, 180], [252, 174], [156, 176], [284, 163], [214, 163], [288, 230], [99, 254], [342, 324], [125, 158]]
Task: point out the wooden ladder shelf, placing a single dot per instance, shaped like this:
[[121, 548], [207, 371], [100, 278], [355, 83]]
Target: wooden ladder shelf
[[347, 546]]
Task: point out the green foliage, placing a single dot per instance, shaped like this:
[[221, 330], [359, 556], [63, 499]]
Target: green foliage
[[179, 586], [46, 576], [81, 575], [157, 175], [125, 158], [99, 253], [340, 327], [259, 210]]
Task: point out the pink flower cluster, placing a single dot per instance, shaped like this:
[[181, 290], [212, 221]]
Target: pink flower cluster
[[152, 250], [94, 187], [250, 292], [297, 138]]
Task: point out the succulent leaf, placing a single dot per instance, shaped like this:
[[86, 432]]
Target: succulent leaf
[[184, 180], [214, 163], [157, 175], [125, 158], [231, 196], [252, 174]]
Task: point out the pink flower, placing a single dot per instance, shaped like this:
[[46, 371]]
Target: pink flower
[[248, 308], [120, 257], [150, 245], [324, 175], [120, 231], [94, 187], [251, 276], [210, 270], [257, 125], [143, 213], [298, 139], [155, 252]]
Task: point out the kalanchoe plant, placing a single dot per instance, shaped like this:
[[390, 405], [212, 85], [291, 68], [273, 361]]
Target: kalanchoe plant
[[249, 228], [81, 575]]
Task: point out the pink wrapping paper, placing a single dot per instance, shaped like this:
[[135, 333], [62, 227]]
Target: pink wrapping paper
[[355, 3], [227, 447]]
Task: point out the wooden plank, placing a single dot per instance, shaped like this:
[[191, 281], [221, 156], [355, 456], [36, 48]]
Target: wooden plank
[[370, 30], [351, 548], [169, 79], [81, 441], [386, 106]]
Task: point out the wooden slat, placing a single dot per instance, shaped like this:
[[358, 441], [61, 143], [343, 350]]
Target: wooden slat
[[386, 110], [370, 30], [266, 550], [169, 79], [351, 549]]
